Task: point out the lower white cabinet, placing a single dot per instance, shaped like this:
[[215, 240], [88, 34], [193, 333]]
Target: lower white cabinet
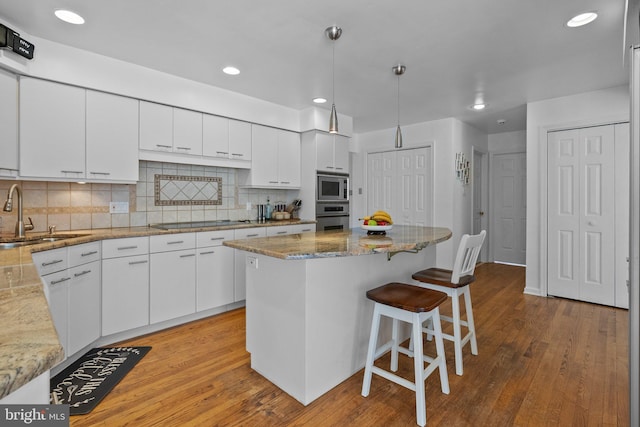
[[214, 272], [239, 260], [73, 292], [84, 306], [125, 284], [173, 277]]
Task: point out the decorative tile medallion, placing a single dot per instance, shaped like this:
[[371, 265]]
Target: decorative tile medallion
[[180, 190]]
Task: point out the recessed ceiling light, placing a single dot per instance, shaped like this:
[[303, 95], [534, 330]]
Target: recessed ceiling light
[[479, 106], [582, 19], [69, 16], [319, 100], [232, 71]]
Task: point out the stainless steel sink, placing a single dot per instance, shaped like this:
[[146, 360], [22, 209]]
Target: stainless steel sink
[[10, 243]]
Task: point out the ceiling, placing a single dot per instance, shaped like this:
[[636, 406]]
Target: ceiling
[[507, 52]]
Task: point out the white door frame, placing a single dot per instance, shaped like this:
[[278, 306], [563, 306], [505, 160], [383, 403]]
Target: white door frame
[[486, 189], [543, 170]]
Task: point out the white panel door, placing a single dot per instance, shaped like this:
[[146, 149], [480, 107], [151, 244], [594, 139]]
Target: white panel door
[[414, 191], [509, 208], [374, 181], [581, 214]]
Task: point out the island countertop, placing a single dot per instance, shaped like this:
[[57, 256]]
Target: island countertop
[[352, 242]]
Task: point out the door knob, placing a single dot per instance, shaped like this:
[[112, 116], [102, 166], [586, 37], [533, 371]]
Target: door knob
[[481, 213]]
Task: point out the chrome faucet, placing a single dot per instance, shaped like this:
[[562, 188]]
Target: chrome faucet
[[21, 227]]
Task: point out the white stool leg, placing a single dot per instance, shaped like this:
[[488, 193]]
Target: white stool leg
[[442, 365], [394, 346], [373, 338], [470, 322], [418, 362], [457, 335]]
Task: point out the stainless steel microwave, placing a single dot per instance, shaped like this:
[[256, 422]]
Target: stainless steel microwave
[[332, 188]]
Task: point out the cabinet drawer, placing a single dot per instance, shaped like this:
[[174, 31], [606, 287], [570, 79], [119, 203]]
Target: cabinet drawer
[[213, 238], [82, 254], [249, 233], [279, 230], [125, 247], [48, 262], [172, 242]]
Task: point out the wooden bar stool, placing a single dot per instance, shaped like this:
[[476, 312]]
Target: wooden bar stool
[[456, 283], [415, 305]]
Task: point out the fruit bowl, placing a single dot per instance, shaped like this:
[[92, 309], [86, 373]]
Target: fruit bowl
[[376, 229]]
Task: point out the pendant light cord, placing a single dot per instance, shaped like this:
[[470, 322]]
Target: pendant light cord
[[333, 73], [398, 100]]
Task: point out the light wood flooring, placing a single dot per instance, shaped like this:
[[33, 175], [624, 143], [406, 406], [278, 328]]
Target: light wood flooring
[[541, 362]]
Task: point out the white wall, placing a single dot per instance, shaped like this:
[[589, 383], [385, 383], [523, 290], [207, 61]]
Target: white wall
[[452, 201], [508, 142], [585, 109]]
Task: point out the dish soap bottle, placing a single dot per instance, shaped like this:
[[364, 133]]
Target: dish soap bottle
[[268, 209]]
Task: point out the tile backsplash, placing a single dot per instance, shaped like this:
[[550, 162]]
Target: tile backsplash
[[72, 206]]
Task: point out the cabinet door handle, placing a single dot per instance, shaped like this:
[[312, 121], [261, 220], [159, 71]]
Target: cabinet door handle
[[64, 279], [184, 148], [71, 171], [187, 255], [88, 253], [82, 273], [138, 262], [306, 229], [217, 238], [163, 146], [339, 168], [281, 232], [175, 242], [329, 167], [237, 154], [273, 182], [252, 235], [222, 152], [55, 261], [207, 253], [285, 182], [100, 173], [124, 248]]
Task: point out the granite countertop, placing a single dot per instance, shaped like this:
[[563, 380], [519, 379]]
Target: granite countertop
[[29, 344], [351, 242]]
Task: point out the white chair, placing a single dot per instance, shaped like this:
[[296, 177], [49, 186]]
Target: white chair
[[456, 283], [415, 305]]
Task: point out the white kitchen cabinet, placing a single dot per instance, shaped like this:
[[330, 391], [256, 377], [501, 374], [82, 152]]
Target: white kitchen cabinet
[[239, 140], [301, 228], [8, 124], [332, 153], [125, 284], [84, 306], [239, 260], [283, 230], [156, 127], [72, 278], [275, 160], [112, 137], [173, 276], [215, 271], [187, 132], [52, 130], [226, 138]]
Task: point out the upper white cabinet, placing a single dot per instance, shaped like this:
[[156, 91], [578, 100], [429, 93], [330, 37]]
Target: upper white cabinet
[[112, 150], [8, 124], [156, 127], [225, 138], [170, 129], [72, 133], [187, 132], [52, 130], [332, 153], [275, 157]]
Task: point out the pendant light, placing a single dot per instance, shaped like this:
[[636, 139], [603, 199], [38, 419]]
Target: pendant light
[[399, 70], [333, 33]]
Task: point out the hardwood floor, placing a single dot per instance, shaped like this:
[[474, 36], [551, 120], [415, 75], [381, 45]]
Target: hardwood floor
[[541, 362]]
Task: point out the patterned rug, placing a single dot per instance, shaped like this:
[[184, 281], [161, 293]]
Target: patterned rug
[[84, 383]]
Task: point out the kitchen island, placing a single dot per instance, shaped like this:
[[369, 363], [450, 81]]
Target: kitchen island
[[308, 318]]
